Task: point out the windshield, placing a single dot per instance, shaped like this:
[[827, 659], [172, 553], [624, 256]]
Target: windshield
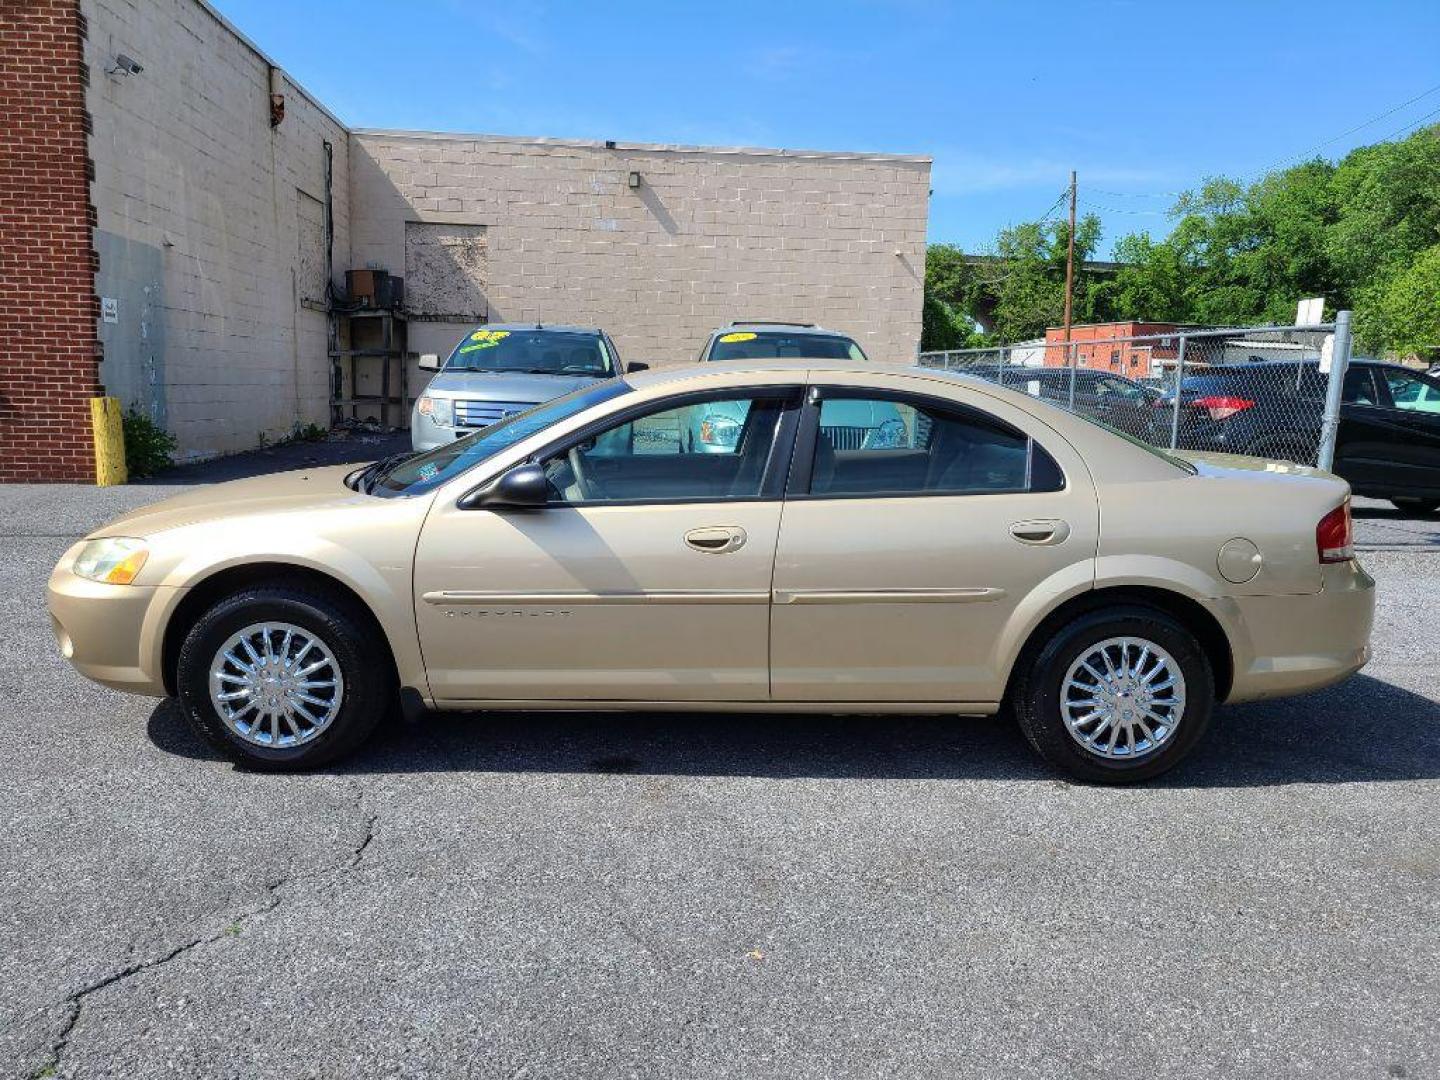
[[422, 472], [535, 352], [770, 345]]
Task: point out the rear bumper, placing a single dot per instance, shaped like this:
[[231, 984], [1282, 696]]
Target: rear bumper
[[1285, 645]]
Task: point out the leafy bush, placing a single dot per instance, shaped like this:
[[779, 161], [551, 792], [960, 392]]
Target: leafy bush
[[148, 446]]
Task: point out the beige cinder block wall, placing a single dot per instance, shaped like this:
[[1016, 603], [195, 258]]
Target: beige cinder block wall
[[512, 229], [210, 227]]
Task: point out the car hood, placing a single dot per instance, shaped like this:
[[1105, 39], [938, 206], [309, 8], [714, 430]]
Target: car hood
[[505, 386], [305, 489]]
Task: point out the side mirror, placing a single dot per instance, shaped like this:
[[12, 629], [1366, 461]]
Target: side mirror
[[636, 365], [429, 362], [524, 487]]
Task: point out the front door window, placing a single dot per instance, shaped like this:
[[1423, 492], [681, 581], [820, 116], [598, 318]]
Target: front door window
[[706, 450]]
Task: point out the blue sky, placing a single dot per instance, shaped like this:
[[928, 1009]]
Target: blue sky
[[1142, 97]]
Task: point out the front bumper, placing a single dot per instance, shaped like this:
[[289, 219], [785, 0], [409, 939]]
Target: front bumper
[[1286, 645], [112, 634]]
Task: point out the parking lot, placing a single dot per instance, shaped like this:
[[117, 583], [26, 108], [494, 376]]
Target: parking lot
[[646, 895]]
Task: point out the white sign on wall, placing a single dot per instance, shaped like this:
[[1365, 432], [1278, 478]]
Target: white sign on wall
[[109, 309]]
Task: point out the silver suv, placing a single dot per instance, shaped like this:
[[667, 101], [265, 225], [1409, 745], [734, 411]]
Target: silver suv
[[764, 340], [506, 368]]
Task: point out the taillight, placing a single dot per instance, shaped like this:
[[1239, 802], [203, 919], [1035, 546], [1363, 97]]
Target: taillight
[[1334, 536], [1220, 406]]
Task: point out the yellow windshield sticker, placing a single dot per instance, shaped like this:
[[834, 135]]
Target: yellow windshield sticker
[[484, 339], [740, 335]]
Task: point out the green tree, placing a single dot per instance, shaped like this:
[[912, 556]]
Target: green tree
[[1361, 233], [1405, 312], [952, 292], [1027, 279], [1388, 209]]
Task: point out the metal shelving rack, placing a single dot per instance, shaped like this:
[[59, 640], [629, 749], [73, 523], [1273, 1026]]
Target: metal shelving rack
[[345, 370]]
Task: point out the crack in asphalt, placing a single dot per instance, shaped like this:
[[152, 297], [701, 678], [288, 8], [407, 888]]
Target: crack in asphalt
[[75, 1002]]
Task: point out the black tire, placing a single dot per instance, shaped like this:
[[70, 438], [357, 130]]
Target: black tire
[[1416, 506], [365, 667], [1036, 692]]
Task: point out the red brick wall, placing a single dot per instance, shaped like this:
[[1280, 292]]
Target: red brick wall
[[48, 347], [1121, 357]]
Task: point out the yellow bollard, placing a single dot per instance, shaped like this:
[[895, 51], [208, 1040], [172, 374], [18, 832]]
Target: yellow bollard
[[105, 420]]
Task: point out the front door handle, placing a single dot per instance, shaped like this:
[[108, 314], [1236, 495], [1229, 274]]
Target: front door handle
[[716, 539], [1040, 531]]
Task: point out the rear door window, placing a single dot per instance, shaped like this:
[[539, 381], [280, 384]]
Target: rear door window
[[888, 446]]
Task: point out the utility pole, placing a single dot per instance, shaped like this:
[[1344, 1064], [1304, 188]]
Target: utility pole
[[1070, 260]]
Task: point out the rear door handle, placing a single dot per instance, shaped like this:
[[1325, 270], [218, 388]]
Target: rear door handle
[[1040, 531], [716, 539]]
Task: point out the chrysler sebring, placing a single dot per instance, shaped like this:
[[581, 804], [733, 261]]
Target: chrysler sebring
[[986, 551]]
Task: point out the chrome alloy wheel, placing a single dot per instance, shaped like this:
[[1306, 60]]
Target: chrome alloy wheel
[[276, 685], [1123, 698]]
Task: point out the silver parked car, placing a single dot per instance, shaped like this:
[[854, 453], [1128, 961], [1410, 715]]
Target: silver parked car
[[764, 340], [714, 430], [507, 368]]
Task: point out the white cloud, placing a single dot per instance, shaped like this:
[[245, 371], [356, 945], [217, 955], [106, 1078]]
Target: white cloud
[[962, 172]]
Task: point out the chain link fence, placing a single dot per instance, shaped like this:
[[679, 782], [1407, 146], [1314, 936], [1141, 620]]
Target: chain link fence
[[1255, 390]]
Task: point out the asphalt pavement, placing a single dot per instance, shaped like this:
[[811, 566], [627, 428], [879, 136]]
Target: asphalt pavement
[[690, 895]]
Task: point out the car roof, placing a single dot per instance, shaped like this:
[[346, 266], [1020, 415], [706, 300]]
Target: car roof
[[542, 327], [1272, 365], [779, 327], [681, 373]]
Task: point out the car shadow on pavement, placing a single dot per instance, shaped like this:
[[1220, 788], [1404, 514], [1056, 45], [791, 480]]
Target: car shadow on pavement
[[340, 449], [1362, 730]]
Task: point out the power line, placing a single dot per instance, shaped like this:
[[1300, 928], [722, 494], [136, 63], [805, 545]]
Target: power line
[[1413, 124], [991, 282], [1294, 157], [1353, 130], [1119, 210], [1138, 194], [1064, 194]]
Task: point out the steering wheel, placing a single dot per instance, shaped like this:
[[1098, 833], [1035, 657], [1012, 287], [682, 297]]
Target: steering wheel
[[577, 470]]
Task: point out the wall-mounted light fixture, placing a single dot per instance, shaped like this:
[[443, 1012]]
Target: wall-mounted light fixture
[[124, 65], [634, 180], [277, 96]]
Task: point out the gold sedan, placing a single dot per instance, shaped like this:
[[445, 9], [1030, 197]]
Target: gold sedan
[[777, 536]]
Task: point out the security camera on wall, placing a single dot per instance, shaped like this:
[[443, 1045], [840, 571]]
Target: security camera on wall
[[125, 65]]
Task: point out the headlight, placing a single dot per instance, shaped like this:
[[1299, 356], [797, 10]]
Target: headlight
[[441, 410], [114, 560], [719, 431]]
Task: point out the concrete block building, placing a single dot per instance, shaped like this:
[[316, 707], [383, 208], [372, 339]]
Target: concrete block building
[[178, 216]]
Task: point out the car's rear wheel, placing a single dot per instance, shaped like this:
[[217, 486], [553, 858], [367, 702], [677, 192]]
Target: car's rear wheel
[[283, 677], [1416, 506], [1115, 696]]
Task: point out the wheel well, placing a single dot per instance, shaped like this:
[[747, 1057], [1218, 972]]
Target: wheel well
[[212, 589], [1182, 609]]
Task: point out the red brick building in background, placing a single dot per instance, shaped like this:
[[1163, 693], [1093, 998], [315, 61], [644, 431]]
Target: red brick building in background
[[49, 362], [1096, 346]]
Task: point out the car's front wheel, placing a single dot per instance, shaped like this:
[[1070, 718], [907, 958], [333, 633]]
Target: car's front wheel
[[283, 677], [1115, 696]]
